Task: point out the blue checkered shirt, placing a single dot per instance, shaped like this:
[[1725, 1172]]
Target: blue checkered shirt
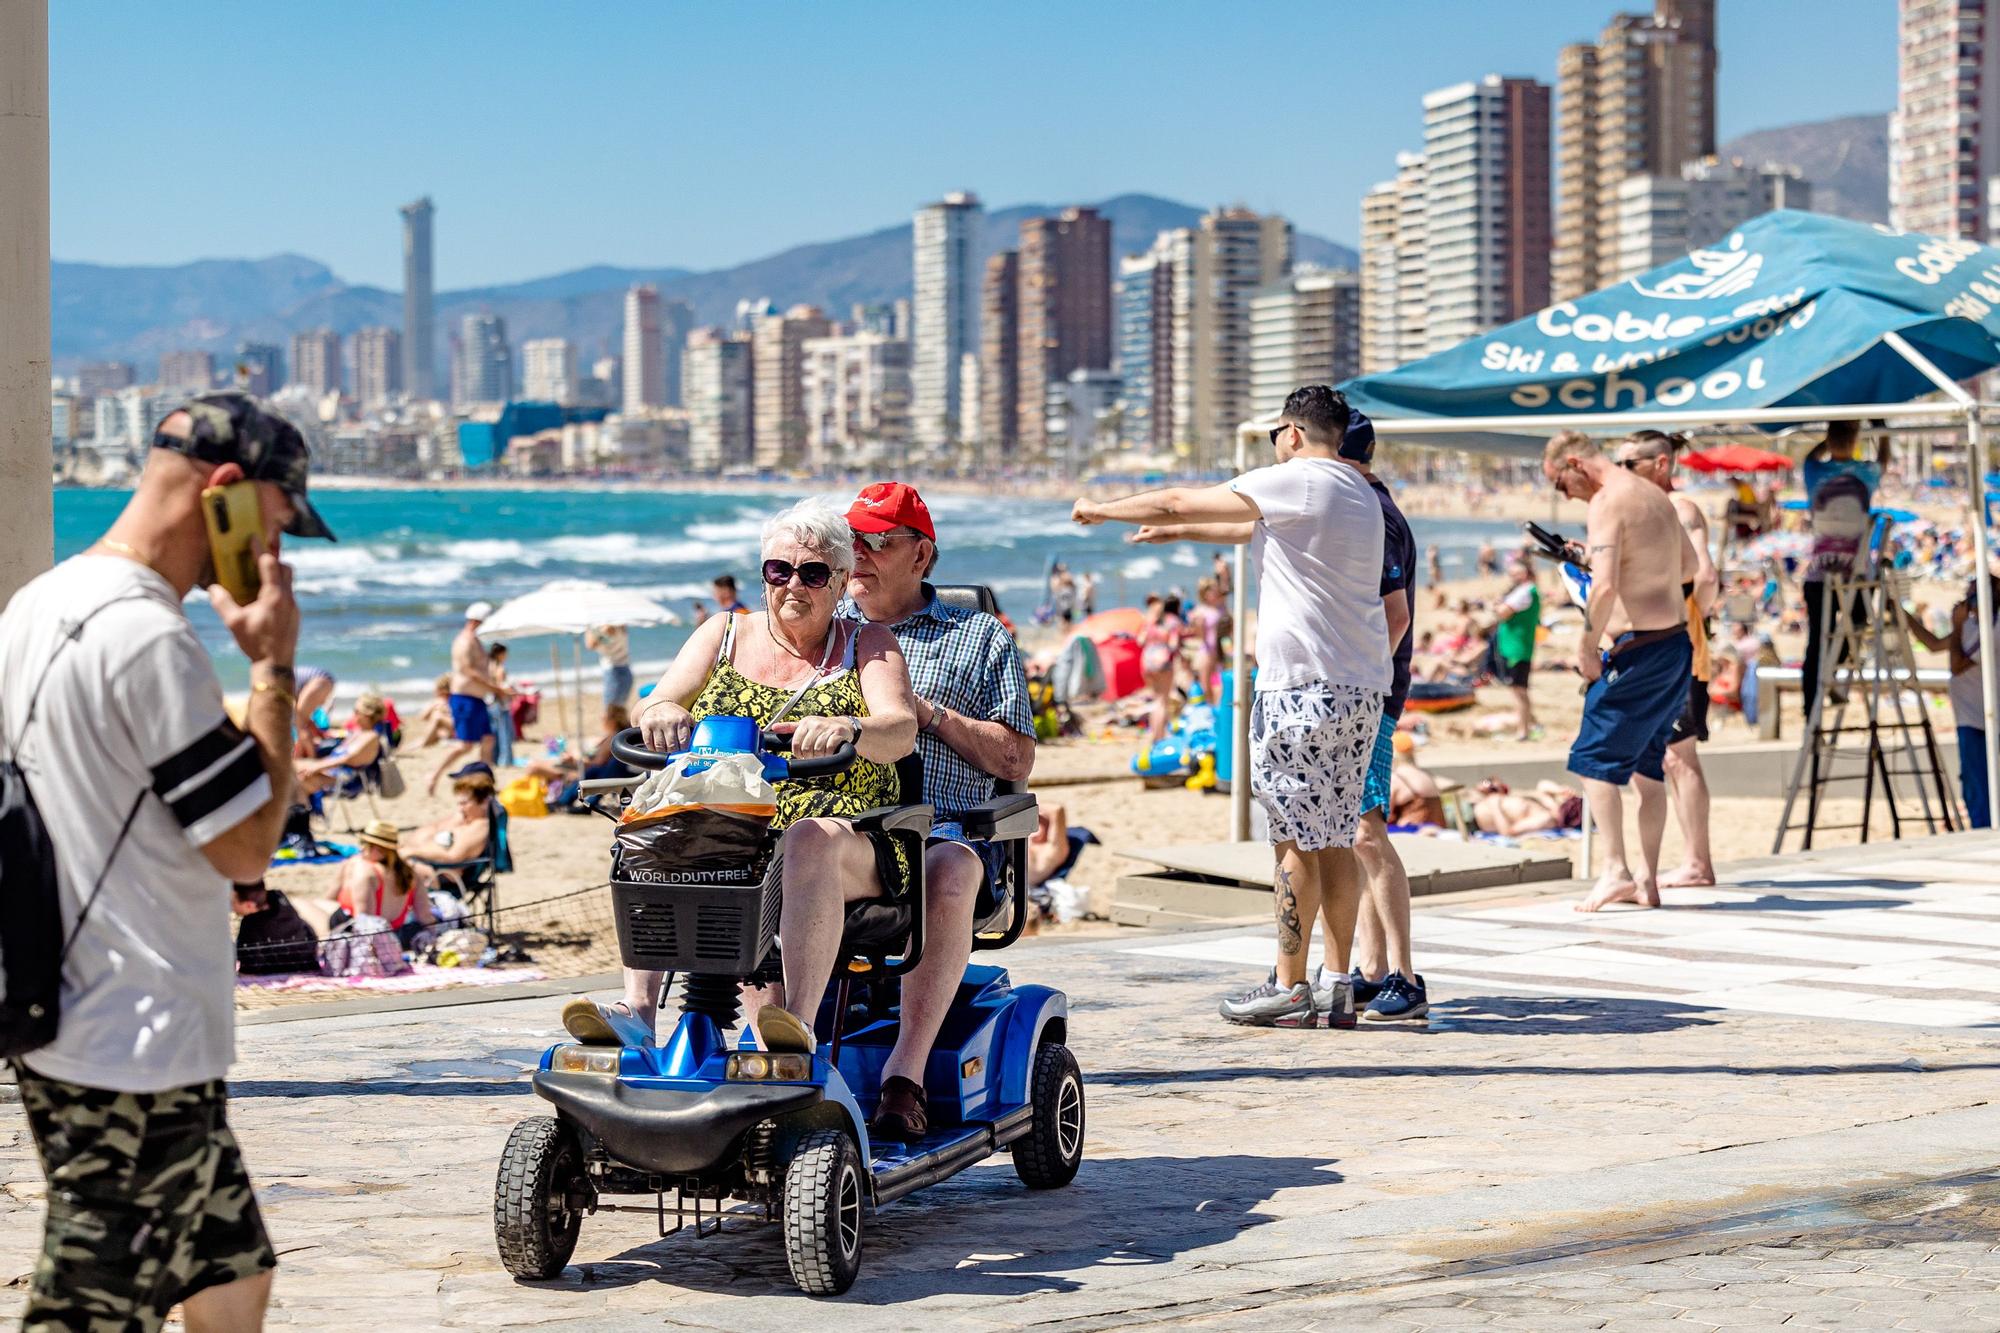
[[965, 661]]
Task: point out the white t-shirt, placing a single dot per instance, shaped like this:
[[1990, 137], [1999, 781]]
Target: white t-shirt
[[132, 705], [1968, 700], [1318, 551], [1519, 598]]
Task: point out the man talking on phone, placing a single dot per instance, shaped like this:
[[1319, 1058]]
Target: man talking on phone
[[155, 803]]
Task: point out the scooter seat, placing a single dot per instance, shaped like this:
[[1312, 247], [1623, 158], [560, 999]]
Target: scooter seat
[[875, 928]]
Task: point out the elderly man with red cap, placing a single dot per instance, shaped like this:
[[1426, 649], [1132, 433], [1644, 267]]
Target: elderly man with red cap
[[974, 725]]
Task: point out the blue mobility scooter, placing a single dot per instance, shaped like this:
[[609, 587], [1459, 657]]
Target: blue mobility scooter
[[715, 1130]]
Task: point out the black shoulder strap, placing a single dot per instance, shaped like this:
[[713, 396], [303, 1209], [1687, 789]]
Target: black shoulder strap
[[70, 634]]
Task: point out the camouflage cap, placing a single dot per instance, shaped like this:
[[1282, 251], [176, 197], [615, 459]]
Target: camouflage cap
[[233, 427]]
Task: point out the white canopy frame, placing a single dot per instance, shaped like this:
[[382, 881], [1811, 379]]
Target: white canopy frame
[[1962, 405]]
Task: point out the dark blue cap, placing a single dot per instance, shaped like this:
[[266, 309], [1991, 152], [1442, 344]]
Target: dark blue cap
[[1358, 443]]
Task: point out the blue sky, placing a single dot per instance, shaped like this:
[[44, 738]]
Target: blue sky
[[553, 135]]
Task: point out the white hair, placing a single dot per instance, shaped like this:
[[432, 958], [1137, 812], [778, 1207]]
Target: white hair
[[819, 525]]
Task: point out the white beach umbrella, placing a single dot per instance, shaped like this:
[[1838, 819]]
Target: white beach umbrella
[[572, 607]]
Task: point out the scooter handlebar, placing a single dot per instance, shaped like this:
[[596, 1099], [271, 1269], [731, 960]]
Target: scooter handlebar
[[629, 746]]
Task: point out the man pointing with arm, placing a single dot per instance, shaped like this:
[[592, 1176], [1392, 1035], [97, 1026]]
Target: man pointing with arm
[[1315, 530]]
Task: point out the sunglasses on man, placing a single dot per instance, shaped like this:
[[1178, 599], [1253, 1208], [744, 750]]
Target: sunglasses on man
[[878, 542], [1276, 431], [813, 573]]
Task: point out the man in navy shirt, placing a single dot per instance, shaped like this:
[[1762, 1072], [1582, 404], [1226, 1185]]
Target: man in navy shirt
[[1386, 986]]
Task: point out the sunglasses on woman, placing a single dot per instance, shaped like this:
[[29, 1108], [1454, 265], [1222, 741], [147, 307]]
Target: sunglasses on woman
[[813, 573]]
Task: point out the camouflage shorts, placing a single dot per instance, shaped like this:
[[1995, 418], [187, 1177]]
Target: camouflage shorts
[[148, 1204]]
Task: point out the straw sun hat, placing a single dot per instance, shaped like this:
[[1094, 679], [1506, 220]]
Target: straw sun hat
[[381, 833]]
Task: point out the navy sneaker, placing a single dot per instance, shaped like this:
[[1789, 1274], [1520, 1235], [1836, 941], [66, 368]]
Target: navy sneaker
[[1365, 990], [1398, 1001]]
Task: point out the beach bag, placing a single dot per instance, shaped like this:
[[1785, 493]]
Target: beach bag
[[362, 946], [701, 819], [276, 940], [525, 798], [33, 948], [391, 777]]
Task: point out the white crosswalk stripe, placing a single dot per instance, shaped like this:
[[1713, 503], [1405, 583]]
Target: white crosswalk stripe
[[1914, 942]]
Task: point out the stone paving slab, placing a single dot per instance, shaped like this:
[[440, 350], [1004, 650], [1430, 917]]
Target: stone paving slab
[[1517, 1152]]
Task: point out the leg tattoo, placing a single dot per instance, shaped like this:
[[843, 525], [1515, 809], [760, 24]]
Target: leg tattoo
[[1290, 940]]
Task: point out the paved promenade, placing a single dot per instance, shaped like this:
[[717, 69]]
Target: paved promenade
[[1771, 1104]]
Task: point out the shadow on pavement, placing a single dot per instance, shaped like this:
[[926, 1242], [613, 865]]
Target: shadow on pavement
[[278, 1087], [983, 1232], [1556, 1015]]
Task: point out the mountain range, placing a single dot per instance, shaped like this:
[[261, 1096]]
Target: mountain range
[[1847, 161], [136, 313]]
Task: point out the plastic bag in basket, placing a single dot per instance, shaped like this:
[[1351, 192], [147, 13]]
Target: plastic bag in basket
[[703, 819]]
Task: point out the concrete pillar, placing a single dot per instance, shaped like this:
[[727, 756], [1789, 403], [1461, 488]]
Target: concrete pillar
[[27, 525]]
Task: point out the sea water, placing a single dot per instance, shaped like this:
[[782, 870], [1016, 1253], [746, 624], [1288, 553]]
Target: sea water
[[380, 606]]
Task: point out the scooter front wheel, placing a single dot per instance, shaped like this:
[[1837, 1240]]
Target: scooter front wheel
[[824, 1198], [1048, 1155], [535, 1212]]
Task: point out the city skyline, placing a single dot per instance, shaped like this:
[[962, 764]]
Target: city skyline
[[767, 186]]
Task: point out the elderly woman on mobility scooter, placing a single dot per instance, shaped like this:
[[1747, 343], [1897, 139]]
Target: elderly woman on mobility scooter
[[828, 681]]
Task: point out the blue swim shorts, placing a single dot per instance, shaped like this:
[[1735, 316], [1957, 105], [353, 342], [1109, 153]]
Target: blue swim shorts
[[1629, 712], [992, 855], [469, 719], [1375, 791]]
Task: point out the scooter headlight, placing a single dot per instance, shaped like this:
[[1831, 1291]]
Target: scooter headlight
[[753, 1066], [586, 1059]]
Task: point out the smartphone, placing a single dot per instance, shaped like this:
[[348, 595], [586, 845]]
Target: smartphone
[[235, 520]]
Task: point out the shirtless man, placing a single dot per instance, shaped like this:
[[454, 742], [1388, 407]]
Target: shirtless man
[[1637, 685], [1651, 456], [471, 685]]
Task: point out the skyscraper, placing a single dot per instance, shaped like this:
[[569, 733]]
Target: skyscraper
[[548, 370], [856, 391], [1000, 355], [676, 322], [1304, 329], [944, 245], [1134, 300], [378, 365], [1216, 268], [419, 334], [259, 368], [482, 363], [719, 401], [316, 361], [778, 417], [1486, 206], [1065, 311], [1640, 102], [1944, 144], [644, 360], [187, 372]]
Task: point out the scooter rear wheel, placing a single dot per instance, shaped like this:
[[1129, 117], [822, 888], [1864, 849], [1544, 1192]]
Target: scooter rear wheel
[[1048, 1155], [824, 1199], [535, 1219]]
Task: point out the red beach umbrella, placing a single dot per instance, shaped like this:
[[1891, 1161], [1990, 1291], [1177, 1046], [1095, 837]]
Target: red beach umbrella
[[1736, 458]]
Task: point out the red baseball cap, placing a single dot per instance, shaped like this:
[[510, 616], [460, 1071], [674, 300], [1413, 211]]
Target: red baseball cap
[[888, 505]]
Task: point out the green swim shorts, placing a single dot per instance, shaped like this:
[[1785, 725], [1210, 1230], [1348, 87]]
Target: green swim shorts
[[148, 1203]]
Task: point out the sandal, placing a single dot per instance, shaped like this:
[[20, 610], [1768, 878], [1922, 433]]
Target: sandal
[[779, 1029], [902, 1113]]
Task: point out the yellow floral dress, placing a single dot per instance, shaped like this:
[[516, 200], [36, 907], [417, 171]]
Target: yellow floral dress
[[863, 786]]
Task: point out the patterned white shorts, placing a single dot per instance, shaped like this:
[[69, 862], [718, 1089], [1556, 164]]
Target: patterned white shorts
[[1309, 753]]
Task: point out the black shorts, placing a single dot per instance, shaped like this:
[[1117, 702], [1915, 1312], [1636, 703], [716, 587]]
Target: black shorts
[[1692, 724], [1516, 674]]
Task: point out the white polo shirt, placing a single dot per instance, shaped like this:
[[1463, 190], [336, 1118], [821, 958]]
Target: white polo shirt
[[131, 706]]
